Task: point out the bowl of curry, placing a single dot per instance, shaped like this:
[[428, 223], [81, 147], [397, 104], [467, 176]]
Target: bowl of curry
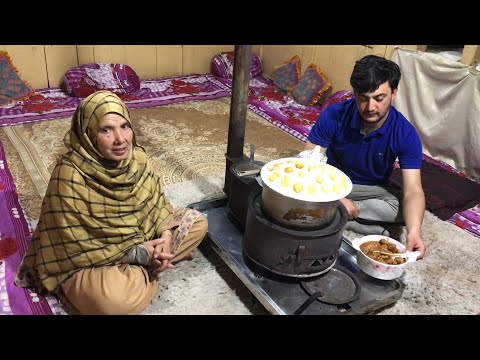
[[381, 266]]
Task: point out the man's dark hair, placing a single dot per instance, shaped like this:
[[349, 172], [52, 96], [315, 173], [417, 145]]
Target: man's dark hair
[[371, 71]]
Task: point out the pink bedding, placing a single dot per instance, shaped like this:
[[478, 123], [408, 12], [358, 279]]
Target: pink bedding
[[52, 103], [265, 98]]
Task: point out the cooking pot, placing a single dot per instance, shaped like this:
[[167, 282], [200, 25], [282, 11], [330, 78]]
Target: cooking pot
[[302, 210]]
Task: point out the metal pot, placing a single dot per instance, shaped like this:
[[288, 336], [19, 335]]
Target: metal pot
[[300, 214], [297, 214]]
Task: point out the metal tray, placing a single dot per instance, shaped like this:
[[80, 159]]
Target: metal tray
[[284, 296]]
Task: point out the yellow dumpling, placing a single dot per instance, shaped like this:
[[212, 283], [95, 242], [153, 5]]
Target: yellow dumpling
[[312, 189], [298, 187], [285, 182], [326, 188], [319, 179], [273, 176]]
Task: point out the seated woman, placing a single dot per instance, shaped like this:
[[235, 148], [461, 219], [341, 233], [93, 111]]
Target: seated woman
[[105, 230]]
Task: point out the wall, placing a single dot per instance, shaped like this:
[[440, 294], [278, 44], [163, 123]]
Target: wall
[[336, 61], [44, 65]]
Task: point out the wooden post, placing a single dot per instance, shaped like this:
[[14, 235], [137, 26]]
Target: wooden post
[[470, 55]]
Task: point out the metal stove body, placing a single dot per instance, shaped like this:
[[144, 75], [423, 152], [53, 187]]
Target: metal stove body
[[286, 251]]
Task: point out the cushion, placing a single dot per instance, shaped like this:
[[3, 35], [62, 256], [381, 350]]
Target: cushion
[[336, 97], [311, 86], [286, 76], [84, 80], [222, 65], [12, 87]]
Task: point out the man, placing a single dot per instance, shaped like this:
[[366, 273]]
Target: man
[[363, 136]]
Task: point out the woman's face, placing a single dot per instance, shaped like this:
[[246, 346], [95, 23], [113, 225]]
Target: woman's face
[[114, 137]]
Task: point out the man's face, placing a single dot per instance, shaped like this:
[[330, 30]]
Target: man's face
[[114, 138], [373, 106]]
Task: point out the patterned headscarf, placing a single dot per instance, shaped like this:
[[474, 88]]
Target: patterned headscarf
[[95, 209]]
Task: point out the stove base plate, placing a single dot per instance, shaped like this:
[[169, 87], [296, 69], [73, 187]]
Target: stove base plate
[[284, 296]]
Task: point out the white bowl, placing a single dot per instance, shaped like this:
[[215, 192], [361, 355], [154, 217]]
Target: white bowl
[[375, 268]]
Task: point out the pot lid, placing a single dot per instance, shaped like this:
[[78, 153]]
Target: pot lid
[[306, 180]]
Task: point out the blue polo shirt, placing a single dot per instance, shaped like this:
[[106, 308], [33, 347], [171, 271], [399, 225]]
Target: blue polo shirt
[[367, 160]]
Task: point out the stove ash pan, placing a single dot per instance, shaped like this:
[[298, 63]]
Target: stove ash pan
[[289, 252]]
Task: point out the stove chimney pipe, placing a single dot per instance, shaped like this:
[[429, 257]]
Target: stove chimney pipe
[[238, 109]]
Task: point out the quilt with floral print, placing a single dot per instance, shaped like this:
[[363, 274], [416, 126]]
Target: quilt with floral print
[[53, 103]]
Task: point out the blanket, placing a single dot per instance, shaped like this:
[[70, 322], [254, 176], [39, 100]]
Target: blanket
[[54, 103], [446, 193], [279, 108]]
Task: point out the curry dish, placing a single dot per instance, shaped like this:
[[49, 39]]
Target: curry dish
[[369, 248]]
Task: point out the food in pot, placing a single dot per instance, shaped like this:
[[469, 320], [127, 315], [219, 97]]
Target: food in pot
[[369, 248], [306, 179]]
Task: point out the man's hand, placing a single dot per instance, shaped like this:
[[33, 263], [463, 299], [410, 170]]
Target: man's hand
[[352, 209], [415, 243]]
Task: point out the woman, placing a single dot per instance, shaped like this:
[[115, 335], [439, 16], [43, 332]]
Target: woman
[[105, 229]]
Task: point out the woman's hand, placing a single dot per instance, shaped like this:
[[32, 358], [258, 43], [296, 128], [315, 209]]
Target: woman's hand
[[163, 253], [158, 254]]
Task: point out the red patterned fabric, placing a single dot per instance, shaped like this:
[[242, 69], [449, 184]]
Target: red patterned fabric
[[84, 80], [52, 103], [8, 247], [222, 65]]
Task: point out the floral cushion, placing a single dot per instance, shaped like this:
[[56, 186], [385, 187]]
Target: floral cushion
[[286, 76], [311, 86], [12, 87], [222, 65], [84, 80]]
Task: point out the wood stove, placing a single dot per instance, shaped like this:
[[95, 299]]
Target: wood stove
[[290, 252]]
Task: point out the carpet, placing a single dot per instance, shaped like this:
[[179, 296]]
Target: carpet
[[186, 143]]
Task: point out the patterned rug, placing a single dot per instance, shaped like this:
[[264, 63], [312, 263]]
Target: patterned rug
[[185, 142]]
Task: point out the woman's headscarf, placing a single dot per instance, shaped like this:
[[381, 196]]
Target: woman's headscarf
[[95, 209]]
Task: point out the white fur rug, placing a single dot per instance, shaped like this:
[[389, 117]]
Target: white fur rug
[[445, 282]]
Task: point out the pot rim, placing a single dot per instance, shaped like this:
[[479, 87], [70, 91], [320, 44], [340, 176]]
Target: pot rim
[[344, 193]]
